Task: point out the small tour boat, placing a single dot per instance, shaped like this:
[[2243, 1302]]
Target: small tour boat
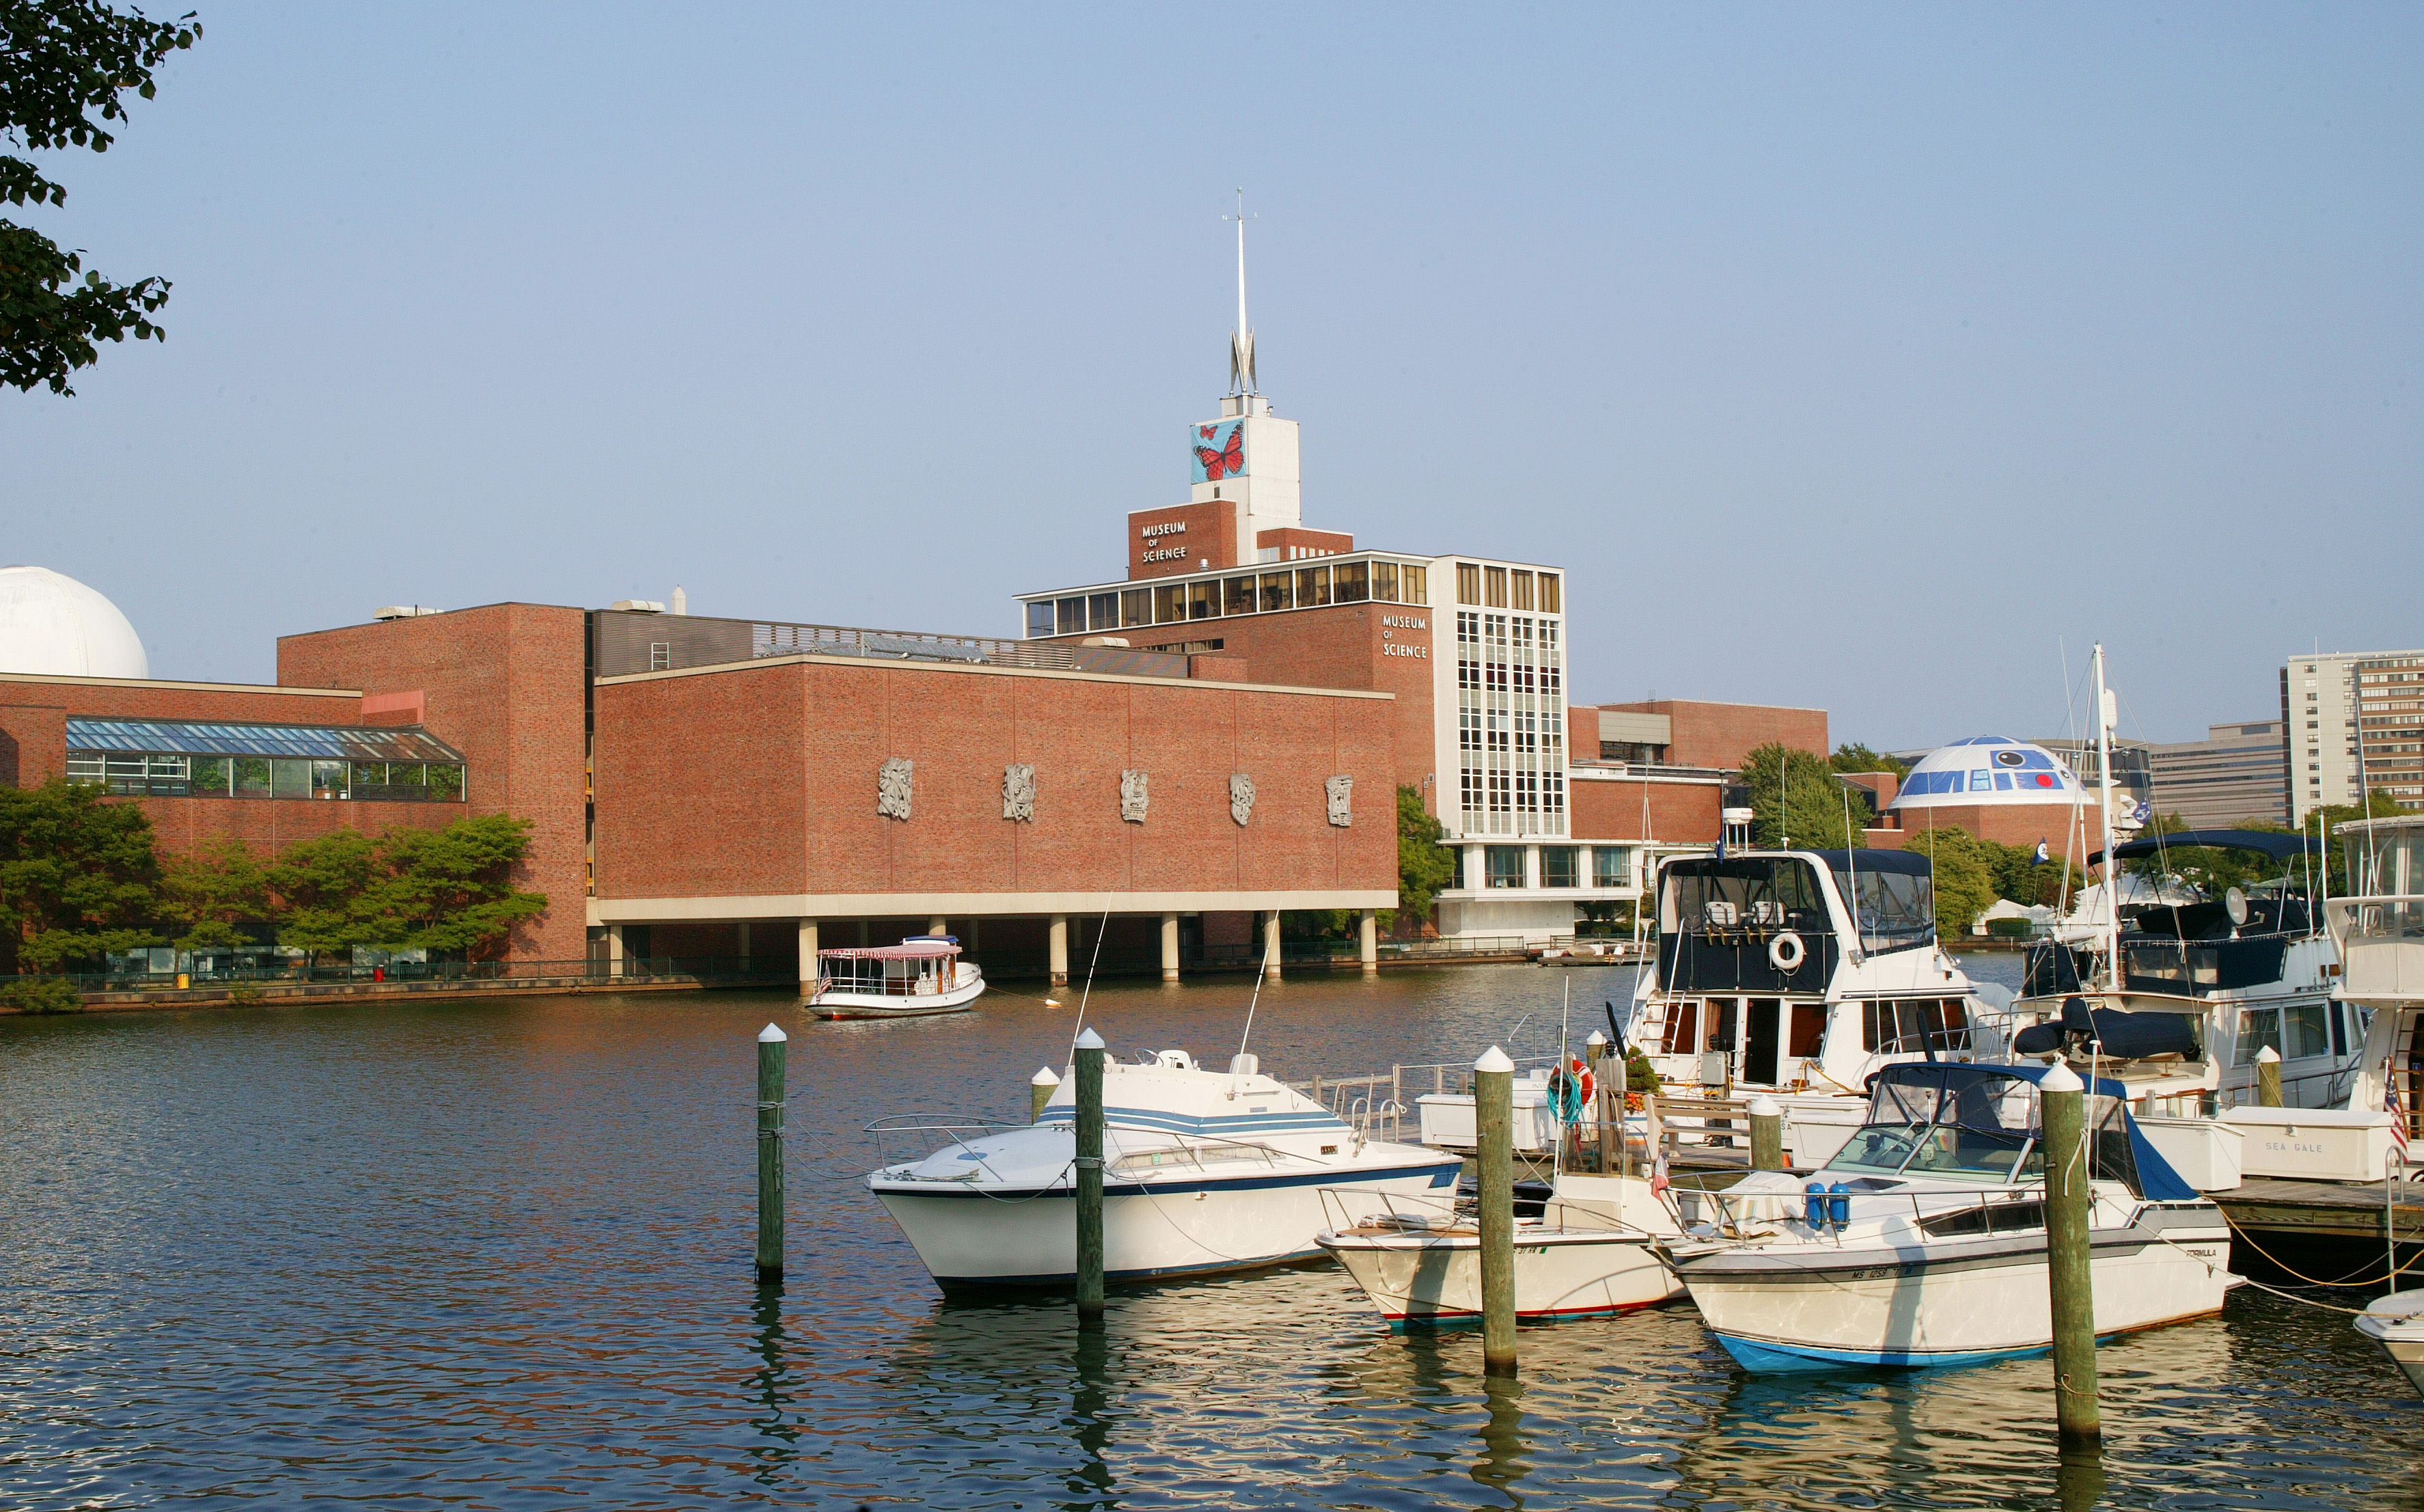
[[1203, 1172], [921, 975], [1590, 1253], [1923, 1241], [2397, 1323]]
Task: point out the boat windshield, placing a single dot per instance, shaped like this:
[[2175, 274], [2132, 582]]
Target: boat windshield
[[1955, 1122]]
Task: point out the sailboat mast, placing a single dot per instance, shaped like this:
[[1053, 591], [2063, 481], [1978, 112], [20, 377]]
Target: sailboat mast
[[2104, 808]]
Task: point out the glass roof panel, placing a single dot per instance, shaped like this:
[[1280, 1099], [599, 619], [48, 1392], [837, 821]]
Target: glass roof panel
[[345, 742]]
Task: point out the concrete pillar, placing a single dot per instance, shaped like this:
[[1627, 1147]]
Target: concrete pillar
[[1272, 944], [1059, 950], [1474, 877], [613, 949], [938, 925], [807, 956], [1170, 948], [1368, 943], [1532, 866]]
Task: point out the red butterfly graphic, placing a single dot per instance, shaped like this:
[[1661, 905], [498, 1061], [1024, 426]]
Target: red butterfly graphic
[[1206, 431], [1223, 464]]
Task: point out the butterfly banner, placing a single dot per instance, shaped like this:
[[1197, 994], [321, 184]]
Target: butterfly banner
[[1220, 451]]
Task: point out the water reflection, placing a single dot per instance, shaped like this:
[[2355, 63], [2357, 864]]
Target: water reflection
[[777, 1427], [1501, 1464]]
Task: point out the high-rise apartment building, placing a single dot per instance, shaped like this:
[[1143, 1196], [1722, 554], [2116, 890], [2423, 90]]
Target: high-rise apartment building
[[2238, 772], [2354, 723]]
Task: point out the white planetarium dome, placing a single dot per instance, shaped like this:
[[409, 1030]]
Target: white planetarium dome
[[52, 624], [1988, 769]]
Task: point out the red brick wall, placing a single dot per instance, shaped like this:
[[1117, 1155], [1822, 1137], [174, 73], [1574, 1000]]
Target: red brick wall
[[267, 826], [1334, 543], [33, 744], [1721, 735], [1211, 534], [335, 704], [1582, 733], [503, 684], [1682, 812], [772, 785], [2008, 823]]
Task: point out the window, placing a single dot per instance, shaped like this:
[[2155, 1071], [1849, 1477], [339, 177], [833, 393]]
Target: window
[[1072, 616], [1522, 582], [2303, 1030], [1683, 1029], [1351, 582], [1503, 865], [1560, 866], [1039, 618], [1279, 591], [1103, 612], [1311, 587], [328, 778], [1468, 583], [1136, 607], [2260, 1029], [1169, 603], [1237, 597], [1416, 583], [1611, 865], [1203, 598], [251, 777], [290, 779], [1552, 597], [1495, 587], [1384, 582]]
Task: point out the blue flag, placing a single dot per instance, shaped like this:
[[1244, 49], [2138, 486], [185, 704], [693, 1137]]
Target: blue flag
[[2041, 857]]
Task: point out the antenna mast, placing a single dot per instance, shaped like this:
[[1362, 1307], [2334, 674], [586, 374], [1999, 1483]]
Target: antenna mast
[[1241, 340], [2104, 807]]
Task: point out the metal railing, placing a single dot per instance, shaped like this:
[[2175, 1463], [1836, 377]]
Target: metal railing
[[632, 968]]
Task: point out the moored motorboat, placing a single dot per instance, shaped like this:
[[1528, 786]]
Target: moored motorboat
[[1923, 1241], [2397, 1323], [924, 974], [1590, 1253], [1203, 1172]]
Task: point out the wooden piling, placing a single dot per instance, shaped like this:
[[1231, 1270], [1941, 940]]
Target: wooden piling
[[1493, 1102], [1089, 1174], [1766, 1134], [772, 1050], [2268, 1076], [2069, 1216], [1040, 1089], [1607, 1100]]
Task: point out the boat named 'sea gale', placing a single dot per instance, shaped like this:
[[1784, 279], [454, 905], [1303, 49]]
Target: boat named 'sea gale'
[[1203, 1170], [1923, 1241], [1590, 1253]]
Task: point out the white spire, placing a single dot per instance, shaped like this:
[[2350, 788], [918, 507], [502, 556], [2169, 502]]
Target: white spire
[[1241, 340]]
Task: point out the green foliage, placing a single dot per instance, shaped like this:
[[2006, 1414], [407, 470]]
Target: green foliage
[[77, 874], [447, 889], [245, 993], [2010, 929], [64, 65], [1852, 757], [1971, 873], [211, 889], [1639, 1075], [41, 994], [1814, 810], [1424, 867]]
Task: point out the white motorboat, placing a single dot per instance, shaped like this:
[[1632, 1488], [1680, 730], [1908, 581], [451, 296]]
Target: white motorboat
[[1923, 1241], [921, 975], [1590, 1253], [2397, 1323], [1203, 1170]]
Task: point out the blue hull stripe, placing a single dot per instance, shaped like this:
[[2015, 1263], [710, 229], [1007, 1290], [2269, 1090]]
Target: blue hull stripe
[[1443, 1175], [1165, 1273], [1766, 1355]]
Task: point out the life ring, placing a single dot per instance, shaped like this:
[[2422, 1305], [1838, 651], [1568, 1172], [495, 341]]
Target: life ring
[[1786, 952], [1570, 1090]]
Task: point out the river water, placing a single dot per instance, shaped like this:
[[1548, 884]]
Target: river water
[[472, 1255]]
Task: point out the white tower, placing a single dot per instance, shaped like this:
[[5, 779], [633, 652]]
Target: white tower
[[1247, 457]]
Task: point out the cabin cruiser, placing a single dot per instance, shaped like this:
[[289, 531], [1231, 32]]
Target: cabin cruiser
[[2397, 1323], [2380, 931], [1591, 1252], [1764, 983], [1203, 1170], [1923, 1241], [921, 975]]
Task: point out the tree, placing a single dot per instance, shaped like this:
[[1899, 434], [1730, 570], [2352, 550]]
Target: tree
[[210, 890], [448, 889], [64, 64], [78, 878], [1424, 867], [1850, 758], [1965, 876], [1813, 809]]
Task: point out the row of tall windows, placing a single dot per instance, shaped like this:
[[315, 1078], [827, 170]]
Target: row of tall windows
[[1510, 721], [1246, 593]]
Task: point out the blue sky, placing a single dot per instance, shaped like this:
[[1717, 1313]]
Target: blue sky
[[1871, 358]]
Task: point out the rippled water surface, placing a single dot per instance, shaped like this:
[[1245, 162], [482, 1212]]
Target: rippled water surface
[[498, 1255]]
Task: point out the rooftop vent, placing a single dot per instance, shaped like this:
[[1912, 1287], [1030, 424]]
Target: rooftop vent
[[637, 606], [403, 612]]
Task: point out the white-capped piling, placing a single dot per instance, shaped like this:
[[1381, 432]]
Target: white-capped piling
[[1766, 1134], [1040, 1089], [1089, 1174], [2268, 1076], [2069, 1217], [772, 1049], [1493, 1102]]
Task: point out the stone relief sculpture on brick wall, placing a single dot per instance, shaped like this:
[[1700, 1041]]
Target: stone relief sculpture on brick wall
[[1018, 792], [1340, 789], [1132, 796], [892, 786], [1241, 797]]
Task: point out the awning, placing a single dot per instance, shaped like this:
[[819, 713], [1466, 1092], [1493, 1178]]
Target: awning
[[905, 951], [2279, 846]]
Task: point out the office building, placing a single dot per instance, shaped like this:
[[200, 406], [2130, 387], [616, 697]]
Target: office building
[[2236, 773]]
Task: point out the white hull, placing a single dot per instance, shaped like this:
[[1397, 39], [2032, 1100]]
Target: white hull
[[831, 1004], [972, 1238], [1431, 1278], [1815, 1306], [2392, 1322]]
